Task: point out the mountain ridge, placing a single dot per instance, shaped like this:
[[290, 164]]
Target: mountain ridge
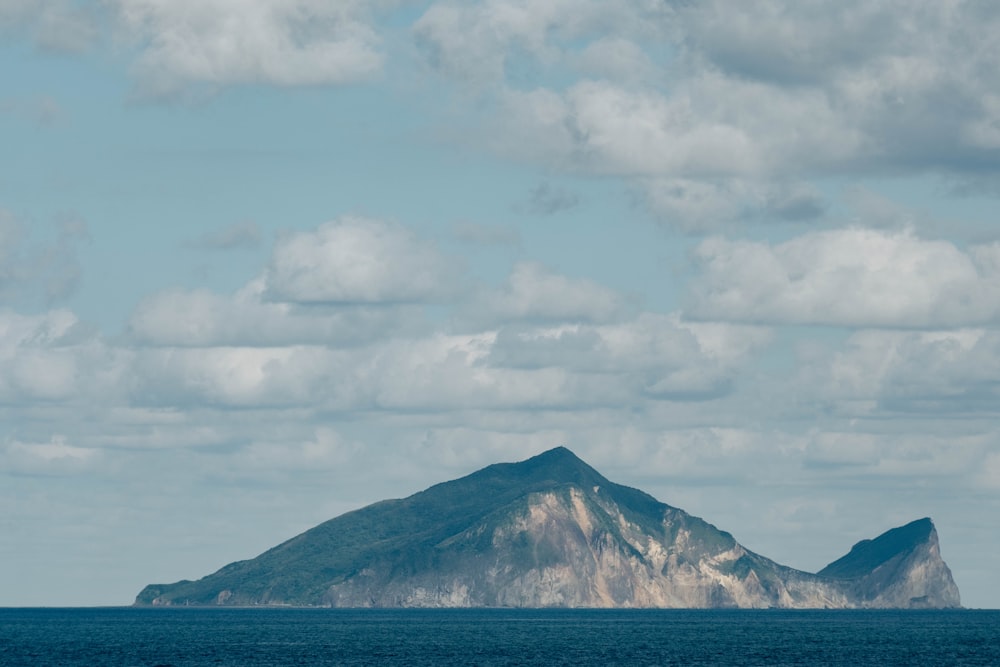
[[552, 531]]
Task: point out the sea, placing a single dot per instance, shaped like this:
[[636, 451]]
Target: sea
[[188, 636]]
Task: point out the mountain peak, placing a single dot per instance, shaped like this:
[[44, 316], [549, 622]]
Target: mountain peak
[[558, 459], [558, 453], [554, 467], [867, 555]]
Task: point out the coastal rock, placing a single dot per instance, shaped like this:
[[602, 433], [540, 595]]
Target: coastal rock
[[553, 532]]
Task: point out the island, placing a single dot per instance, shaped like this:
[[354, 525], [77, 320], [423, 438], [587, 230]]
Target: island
[[551, 531]]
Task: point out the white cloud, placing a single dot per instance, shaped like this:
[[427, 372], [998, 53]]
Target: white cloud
[[438, 373], [476, 43], [452, 373], [630, 132], [707, 126], [54, 25], [794, 202], [482, 43], [683, 92], [649, 341], [918, 88], [533, 293], [323, 329], [201, 318], [569, 368], [66, 27], [13, 11], [944, 373], [54, 457], [658, 357], [616, 59], [696, 205], [37, 359], [325, 450], [454, 43], [847, 277], [219, 43], [875, 210], [699, 205], [794, 42], [241, 377], [358, 260]]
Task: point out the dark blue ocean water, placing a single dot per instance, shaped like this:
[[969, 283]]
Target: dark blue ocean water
[[181, 637]]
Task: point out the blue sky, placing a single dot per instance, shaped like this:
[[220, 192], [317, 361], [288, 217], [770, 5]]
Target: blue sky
[[262, 263]]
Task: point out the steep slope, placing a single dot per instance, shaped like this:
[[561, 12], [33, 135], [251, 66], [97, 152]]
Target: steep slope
[[900, 568], [552, 531]]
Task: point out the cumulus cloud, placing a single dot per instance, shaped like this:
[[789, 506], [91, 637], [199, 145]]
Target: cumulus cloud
[[449, 372], [61, 26], [38, 360], [475, 43], [918, 101], [332, 324], [909, 372], [847, 277], [201, 318], [348, 282], [430, 374], [324, 329], [794, 202], [217, 43], [706, 127], [616, 58], [794, 42], [534, 293], [56, 372], [659, 357], [578, 367], [570, 368], [239, 377], [358, 260], [482, 43], [66, 27], [761, 93], [704, 204], [696, 205]]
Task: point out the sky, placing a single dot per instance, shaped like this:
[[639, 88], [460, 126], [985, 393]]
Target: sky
[[262, 263]]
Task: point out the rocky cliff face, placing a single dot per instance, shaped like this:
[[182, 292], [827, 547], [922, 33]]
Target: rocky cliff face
[[900, 568], [552, 532]]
